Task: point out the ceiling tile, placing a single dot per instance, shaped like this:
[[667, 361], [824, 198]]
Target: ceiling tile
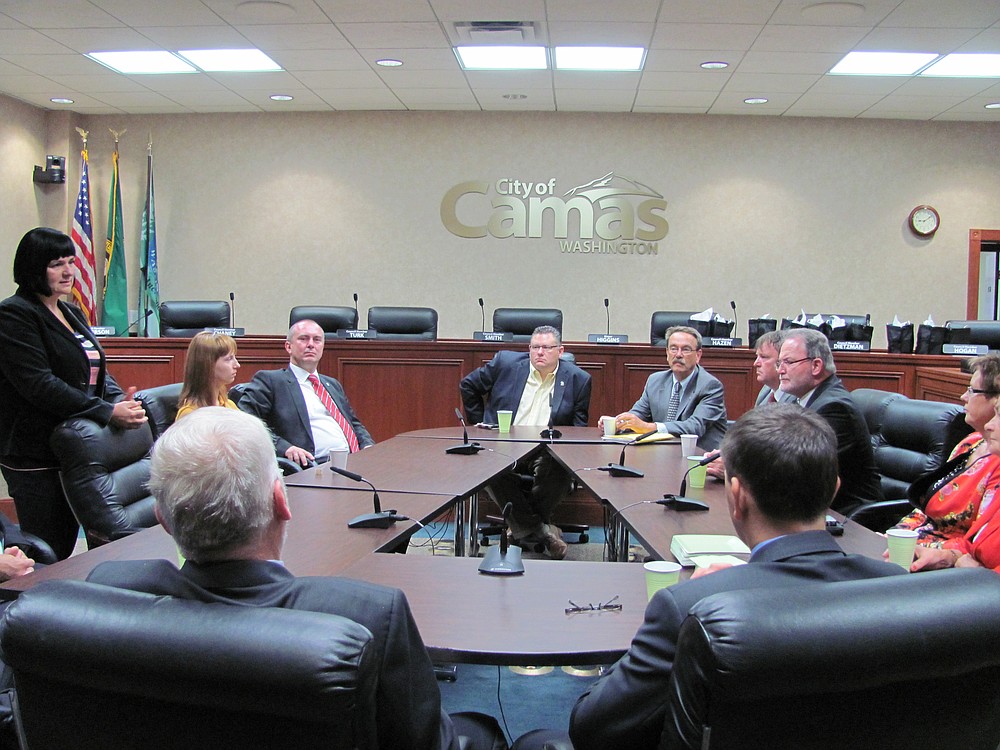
[[394, 34], [705, 36], [598, 34], [295, 36], [374, 11]]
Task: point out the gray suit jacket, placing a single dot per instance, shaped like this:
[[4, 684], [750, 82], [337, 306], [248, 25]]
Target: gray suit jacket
[[702, 411], [408, 703], [766, 391], [275, 397], [626, 708]]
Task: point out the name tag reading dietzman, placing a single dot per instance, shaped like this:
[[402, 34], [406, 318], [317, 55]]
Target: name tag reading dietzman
[[850, 346], [721, 341], [102, 330], [355, 333], [966, 349], [234, 332], [607, 338], [492, 336]]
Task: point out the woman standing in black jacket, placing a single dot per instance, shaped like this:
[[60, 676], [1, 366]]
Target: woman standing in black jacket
[[51, 368]]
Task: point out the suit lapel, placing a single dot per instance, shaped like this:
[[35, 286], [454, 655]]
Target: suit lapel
[[295, 393], [687, 396]]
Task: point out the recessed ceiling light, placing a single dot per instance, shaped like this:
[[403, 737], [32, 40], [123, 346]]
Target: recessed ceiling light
[[230, 60], [514, 97], [992, 105], [755, 100], [142, 62], [60, 100], [882, 63], [714, 65], [502, 58], [388, 62], [281, 98], [967, 66], [600, 58]]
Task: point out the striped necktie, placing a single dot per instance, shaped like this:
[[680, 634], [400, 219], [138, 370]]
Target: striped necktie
[[327, 401], [674, 404]]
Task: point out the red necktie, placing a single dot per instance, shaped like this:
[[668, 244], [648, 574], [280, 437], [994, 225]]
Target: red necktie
[[771, 399], [327, 401]]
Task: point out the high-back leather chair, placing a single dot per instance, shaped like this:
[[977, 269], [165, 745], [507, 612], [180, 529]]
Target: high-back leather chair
[[872, 404], [160, 405], [100, 667], [404, 323], [104, 473], [185, 318], [841, 666], [661, 320], [985, 332], [522, 321], [330, 319]]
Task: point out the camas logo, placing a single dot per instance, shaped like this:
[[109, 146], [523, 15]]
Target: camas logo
[[612, 214]]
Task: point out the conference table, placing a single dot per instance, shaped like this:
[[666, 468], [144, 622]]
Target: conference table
[[463, 615]]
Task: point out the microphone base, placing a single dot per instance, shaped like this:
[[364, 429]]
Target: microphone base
[[620, 470], [499, 562], [681, 503], [382, 520], [550, 434], [465, 449]]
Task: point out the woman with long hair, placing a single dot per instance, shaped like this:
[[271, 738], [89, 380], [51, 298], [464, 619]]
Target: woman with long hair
[[209, 370]]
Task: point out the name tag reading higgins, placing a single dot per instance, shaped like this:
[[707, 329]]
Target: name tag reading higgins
[[607, 338]]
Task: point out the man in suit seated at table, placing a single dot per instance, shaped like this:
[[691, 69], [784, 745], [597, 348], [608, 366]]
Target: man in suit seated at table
[[684, 400], [806, 371], [540, 389], [308, 413], [781, 474], [220, 495]]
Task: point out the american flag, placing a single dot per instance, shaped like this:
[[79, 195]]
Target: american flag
[[82, 235]]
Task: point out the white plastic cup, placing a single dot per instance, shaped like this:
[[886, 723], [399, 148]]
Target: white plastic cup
[[689, 444], [659, 575], [339, 458], [608, 425]]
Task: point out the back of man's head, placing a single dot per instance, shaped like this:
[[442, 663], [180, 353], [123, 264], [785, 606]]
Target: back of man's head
[[213, 475], [786, 457]]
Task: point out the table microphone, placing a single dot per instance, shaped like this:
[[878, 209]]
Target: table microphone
[[620, 469], [482, 308], [465, 448], [607, 311], [679, 502], [550, 432], [232, 301], [736, 325], [503, 560], [357, 315], [380, 519]]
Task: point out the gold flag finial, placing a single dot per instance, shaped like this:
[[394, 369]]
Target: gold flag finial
[[118, 134], [83, 134]]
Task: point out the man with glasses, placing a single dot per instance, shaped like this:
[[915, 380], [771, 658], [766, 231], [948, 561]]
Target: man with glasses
[[540, 389], [684, 400], [806, 371]]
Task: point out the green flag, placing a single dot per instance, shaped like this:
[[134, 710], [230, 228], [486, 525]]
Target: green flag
[[114, 303]]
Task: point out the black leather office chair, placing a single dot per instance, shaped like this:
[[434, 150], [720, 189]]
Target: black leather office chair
[[522, 321], [100, 667], [661, 320], [330, 319], [104, 473], [910, 438], [985, 332], [160, 405], [185, 318], [841, 666], [404, 323]]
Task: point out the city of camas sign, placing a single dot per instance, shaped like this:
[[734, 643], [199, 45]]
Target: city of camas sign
[[611, 215]]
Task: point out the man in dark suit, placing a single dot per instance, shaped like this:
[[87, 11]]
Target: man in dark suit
[[781, 473], [291, 402], [684, 400], [540, 389], [219, 494], [806, 371]]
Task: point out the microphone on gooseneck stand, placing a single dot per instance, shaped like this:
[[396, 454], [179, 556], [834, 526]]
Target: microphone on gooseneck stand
[[503, 560], [465, 448], [679, 502], [736, 327], [482, 308], [232, 303], [620, 469], [140, 319], [550, 432], [607, 311], [380, 519]]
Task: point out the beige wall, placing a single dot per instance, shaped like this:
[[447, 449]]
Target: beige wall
[[307, 208]]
